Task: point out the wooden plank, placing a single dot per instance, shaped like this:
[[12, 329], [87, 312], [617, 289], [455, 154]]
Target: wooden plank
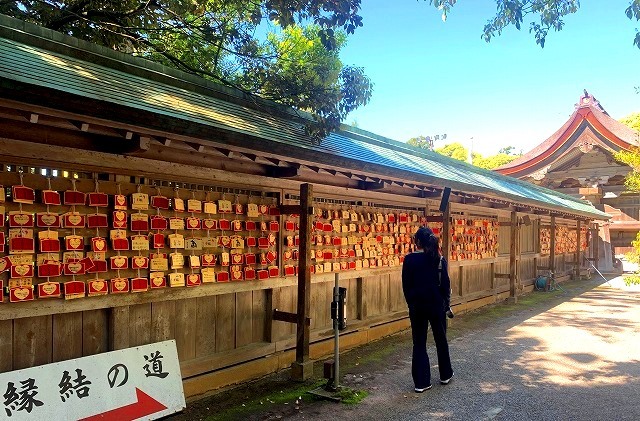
[[244, 318], [32, 342], [395, 292], [225, 359], [286, 302], [578, 241], [352, 304], [304, 273], [385, 296], [6, 345], [185, 328], [205, 326], [513, 249], [446, 228], [163, 321], [67, 336], [361, 303], [118, 328], [225, 323], [48, 307], [95, 334], [316, 297], [275, 329], [139, 324], [552, 252], [259, 309]]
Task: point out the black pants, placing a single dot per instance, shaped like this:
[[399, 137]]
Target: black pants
[[420, 368]]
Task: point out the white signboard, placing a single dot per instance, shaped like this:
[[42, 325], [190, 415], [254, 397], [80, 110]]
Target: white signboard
[[136, 383]]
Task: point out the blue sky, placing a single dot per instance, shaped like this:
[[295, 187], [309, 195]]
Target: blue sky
[[432, 77]]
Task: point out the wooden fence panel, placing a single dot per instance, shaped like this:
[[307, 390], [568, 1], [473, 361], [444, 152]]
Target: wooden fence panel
[[206, 325], [371, 292], [527, 269], [95, 332], [139, 324], [163, 321], [32, 341], [384, 297], [396, 297], [6, 345], [225, 323], [244, 318], [478, 278], [185, 328], [259, 302], [454, 277], [67, 336]]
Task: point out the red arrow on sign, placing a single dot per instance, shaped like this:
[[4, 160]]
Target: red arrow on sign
[[145, 405]]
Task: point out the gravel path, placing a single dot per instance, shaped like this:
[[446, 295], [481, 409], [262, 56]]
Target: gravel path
[[552, 356], [573, 359]]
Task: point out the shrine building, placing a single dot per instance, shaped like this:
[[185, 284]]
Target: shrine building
[[578, 160]]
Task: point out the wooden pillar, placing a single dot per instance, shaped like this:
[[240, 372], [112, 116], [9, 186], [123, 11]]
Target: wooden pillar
[[552, 252], [577, 258], [446, 232], [512, 256], [302, 369], [595, 238]]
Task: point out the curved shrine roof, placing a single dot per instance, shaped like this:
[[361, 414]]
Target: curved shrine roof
[[589, 115]]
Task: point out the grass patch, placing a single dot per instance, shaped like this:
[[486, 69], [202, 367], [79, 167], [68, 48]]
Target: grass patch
[[350, 396], [287, 395]]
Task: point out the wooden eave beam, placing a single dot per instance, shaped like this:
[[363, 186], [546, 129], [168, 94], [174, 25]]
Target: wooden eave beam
[[371, 185], [80, 125], [332, 172], [431, 193], [126, 134], [196, 146], [283, 172], [226, 152]]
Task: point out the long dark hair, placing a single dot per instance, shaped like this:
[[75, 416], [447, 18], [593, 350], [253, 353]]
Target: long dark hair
[[428, 242]]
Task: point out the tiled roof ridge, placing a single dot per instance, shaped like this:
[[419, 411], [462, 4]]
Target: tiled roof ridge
[[593, 106], [404, 147], [38, 36]]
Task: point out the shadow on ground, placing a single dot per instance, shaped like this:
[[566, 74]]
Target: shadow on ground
[[503, 352]]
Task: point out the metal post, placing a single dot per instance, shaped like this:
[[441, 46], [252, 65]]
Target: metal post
[[336, 332]]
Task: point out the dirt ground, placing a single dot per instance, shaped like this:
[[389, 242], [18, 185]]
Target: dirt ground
[[553, 355]]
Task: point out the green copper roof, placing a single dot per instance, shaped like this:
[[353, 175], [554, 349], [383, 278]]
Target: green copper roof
[[137, 84]]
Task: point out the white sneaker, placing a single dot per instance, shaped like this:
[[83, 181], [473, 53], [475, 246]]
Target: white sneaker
[[422, 389], [446, 381]]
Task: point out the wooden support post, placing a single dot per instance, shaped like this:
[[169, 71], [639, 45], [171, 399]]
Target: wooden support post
[[596, 244], [577, 258], [513, 287], [552, 252], [446, 232], [302, 368], [361, 305]]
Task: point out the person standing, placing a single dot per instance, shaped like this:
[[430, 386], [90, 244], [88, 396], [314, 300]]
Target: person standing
[[427, 290]]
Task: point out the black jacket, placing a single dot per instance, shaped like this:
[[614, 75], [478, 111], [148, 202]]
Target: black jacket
[[421, 284]]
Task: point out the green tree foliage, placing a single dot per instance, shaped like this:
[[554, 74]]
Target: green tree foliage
[[632, 120], [542, 16], [454, 150], [421, 142], [632, 182], [231, 41], [492, 161], [634, 257]]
